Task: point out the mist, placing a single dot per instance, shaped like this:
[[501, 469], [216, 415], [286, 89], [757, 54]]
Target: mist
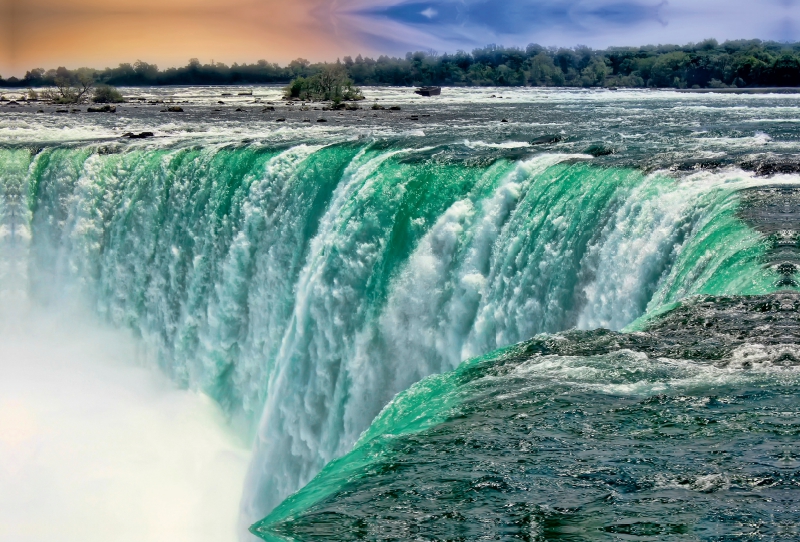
[[96, 444]]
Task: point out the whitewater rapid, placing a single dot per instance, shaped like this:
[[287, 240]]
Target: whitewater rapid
[[301, 275], [303, 288]]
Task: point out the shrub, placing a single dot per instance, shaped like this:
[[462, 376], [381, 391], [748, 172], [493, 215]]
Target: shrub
[[106, 94], [332, 83]]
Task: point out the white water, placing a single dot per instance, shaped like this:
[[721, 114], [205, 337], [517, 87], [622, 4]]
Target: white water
[[489, 272], [97, 447], [279, 322]]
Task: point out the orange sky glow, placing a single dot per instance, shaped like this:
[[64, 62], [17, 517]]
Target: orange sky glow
[[101, 33]]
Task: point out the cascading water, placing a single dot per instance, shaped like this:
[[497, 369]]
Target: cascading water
[[684, 424], [302, 281], [303, 288]]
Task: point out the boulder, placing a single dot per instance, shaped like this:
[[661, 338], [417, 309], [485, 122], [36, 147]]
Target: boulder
[[140, 135], [428, 91], [545, 139], [599, 149], [345, 107], [102, 109]]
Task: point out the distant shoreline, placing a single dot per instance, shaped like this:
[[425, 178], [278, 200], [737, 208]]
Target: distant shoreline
[[708, 66], [764, 90]]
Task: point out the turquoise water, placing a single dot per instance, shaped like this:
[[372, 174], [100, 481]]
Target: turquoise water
[[304, 279], [600, 446]]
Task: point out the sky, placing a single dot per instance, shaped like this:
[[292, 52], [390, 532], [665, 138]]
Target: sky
[[101, 33]]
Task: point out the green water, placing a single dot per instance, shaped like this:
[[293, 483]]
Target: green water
[[303, 286]]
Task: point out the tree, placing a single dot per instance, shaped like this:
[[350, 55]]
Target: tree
[[744, 63], [71, 87], [667, 68]]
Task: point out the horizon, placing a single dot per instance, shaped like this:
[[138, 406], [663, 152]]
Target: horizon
[[41, 34], [342, 59]]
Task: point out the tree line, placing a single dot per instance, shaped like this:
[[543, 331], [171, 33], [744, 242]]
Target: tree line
[[708, 64]]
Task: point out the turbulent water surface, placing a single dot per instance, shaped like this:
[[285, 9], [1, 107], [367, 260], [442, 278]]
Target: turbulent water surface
[[303, 273]]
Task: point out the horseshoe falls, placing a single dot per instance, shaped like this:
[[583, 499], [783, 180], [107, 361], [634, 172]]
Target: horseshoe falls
[[419, 328]]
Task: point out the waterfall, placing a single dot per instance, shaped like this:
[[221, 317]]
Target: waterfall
[[303, 287]]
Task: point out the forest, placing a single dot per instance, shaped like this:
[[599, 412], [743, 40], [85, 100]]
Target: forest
[[708, 64]]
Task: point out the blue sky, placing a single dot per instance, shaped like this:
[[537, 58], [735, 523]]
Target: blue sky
[[446, 25]]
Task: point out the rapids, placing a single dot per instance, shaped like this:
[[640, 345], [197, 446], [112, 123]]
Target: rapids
[[304, 276]]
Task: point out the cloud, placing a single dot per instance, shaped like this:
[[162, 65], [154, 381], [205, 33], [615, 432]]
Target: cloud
[[517, 16], [446, 25], [452, 24], [430, 13]]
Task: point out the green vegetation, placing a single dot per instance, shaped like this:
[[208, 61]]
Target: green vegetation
[[106, 94], [743, 63], [70, 87], [332, 83]]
